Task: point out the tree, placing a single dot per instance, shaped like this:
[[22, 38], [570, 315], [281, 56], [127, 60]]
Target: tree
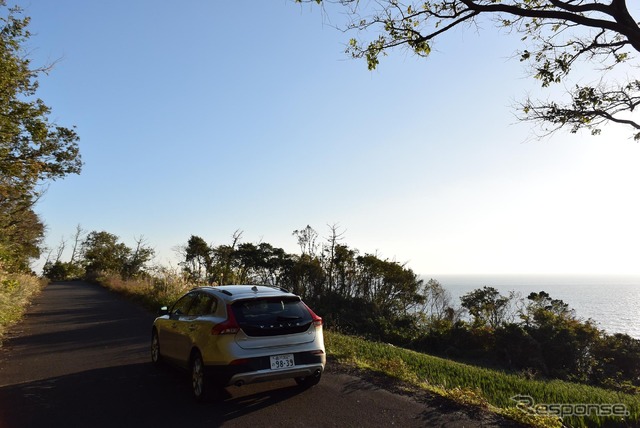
[[198, 259], [487, 306], [259, 264], [567, 344], [139, 257], [618, 359], [307, 240], [56, 269], [329, 255], [541, 308], [21, 237], [77, 238], [31, 147], [307, 277], [275, 265], [557, 35], [345, 270], [62, 271], [102, 253], [33, 150], [437, 310], [391, 287], [224, 261]]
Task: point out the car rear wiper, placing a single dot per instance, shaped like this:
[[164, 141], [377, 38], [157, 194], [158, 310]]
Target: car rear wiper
[[288, 318]]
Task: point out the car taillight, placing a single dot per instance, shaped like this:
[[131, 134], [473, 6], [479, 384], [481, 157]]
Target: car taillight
[[230, 326], [317, 321]]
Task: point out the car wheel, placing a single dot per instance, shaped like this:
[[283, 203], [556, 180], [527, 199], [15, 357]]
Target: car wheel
[[155, 348], [198, 380], [309, 381]]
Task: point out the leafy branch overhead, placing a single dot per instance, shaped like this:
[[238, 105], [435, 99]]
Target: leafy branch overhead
[[557, 36]]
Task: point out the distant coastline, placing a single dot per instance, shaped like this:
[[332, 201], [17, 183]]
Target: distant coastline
[[612, 301]]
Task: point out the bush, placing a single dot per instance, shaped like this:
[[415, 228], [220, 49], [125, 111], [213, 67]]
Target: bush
[[62, 271], [618, 363], [517, 350], [16, 291], [160, 288]]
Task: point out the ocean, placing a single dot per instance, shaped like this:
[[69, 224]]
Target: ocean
[[613, 302]]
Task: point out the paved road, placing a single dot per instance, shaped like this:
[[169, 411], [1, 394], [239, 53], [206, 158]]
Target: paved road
[[80, 359]]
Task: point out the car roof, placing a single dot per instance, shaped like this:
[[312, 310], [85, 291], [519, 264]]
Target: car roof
[[231, 293]]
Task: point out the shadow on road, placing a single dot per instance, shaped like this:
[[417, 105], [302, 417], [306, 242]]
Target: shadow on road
[[123, 396]]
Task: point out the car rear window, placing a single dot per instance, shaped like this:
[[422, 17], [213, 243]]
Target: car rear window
[[272, 316]]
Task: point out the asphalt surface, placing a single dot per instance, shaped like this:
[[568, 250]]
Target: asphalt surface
[[80, 358]]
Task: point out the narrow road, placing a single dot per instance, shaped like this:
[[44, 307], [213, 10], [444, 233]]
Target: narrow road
[[80, 359]]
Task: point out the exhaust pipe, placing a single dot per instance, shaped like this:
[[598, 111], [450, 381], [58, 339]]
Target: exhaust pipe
[[239, 383]]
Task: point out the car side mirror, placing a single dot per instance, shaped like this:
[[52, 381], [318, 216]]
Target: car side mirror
[[163, 311]]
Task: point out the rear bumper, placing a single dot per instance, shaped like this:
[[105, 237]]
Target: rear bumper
[[258, 369], [268, 375]]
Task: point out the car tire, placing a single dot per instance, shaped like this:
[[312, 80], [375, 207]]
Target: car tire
[[156, 358], [199, 383], [308, 381]]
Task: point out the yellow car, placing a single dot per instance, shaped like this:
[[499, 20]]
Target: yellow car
[[240, 334]]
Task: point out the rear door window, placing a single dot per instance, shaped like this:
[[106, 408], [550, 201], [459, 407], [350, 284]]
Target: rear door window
[[272, 316], [202, 305], [181, 307]]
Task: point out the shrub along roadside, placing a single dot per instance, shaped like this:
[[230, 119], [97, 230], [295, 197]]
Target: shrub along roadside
[[16, 291], [162, 289], [491, 389]]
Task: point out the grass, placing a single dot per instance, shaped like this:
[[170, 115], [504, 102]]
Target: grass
[[16, 291], [164, 288], [483, 387]]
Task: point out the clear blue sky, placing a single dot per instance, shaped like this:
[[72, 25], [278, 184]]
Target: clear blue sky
[[204, 117]]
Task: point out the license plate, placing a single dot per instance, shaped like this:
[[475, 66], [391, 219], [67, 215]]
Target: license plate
[[281, 362]]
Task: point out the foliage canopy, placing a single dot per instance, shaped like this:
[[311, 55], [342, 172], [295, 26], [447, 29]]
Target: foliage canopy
[[32, 148], [556, 36]]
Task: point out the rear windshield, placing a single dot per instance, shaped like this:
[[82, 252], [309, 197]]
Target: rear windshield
[[272, 316]]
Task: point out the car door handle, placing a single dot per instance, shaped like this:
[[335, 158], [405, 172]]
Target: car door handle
[[193, 327], [174, 325]]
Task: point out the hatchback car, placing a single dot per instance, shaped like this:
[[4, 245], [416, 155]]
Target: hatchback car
[[240, 334]]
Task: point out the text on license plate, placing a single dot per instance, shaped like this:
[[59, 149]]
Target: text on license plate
[[280, 362]]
